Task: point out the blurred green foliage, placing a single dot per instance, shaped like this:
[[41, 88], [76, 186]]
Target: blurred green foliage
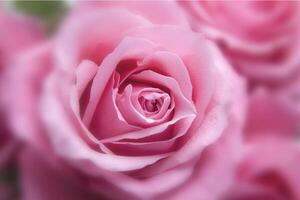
[[50, 12]]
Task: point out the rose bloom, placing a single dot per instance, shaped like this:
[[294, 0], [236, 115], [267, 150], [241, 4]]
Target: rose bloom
[[274, 113], [17, 33], [20, 33], [120, 106], [261, 38], [269, 170]]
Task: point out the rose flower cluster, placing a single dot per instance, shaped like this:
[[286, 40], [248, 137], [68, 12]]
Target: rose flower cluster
[[151, 100]]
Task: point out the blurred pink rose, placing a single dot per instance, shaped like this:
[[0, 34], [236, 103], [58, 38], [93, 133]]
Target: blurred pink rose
[[269, 170], [120, 106], [274, 112], [17, 33], [164, 12], [261, 38]]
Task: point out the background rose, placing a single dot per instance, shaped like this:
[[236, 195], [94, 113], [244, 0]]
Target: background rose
[[268, 165], [260, 38], [20, 33], [17, 33], [124, 106], [274, 113], [268, 170], [166, 12]]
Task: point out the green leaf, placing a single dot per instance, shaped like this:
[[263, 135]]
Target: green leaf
[[50, 12]]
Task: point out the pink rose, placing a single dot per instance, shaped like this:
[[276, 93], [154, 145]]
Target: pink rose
[[274, 112], [262, 39], [164, 12], [269, 170], [121, 107], [17, 33]]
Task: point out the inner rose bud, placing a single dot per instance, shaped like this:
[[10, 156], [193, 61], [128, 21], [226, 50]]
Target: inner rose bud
[[153, 102], [149, 103]]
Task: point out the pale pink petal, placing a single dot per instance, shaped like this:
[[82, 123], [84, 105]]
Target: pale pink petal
[[84, 74], [62, 132], [88, 35], [128, 48], [159, 12], [271, 113]]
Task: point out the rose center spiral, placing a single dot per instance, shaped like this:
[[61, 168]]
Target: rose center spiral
[[151, 105], [153, 102]]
